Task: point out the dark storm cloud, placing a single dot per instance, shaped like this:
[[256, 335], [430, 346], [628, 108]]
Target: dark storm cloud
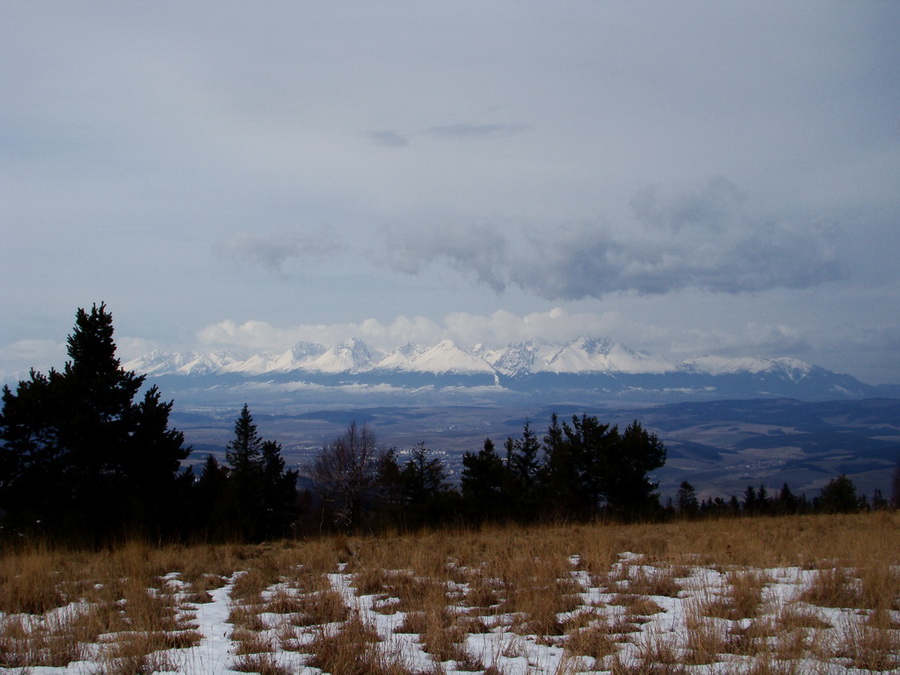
[[590, 265], [468, 248], [703, 240]]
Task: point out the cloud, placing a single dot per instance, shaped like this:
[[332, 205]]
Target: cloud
[[753, 339], [271, 251], [496, 329], [17, 358], [388, 139], [464, 131], [474, 131], [706, 208], [706, 239], [465, 247], [256, 335]]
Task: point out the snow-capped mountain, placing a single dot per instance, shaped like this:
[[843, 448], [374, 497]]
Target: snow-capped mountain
[[597, 364], [351, 356], [401, 359], [717, 365], [520, 358], [604, 356], [297, 356], [205, 364], [444, 357]]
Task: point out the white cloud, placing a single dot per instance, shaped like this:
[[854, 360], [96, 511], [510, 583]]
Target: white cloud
[[496, 329]]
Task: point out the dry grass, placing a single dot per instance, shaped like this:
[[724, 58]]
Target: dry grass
[[353, 650], [767, 593]]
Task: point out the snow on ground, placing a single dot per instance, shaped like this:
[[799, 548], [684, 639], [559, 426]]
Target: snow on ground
[[684, 607]]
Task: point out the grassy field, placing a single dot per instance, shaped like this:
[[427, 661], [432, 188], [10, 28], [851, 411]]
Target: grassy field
[[765, 595]]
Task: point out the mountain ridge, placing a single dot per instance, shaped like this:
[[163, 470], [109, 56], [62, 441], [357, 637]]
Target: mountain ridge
[[594, 363]]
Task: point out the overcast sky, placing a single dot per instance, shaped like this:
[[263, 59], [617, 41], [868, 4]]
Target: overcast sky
[[689, 178]]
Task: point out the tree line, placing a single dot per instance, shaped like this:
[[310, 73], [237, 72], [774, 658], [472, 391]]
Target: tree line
[[579, 470], [84, 456], [839, 495]]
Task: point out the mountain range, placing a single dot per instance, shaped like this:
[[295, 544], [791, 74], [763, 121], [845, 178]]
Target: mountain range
[[600, 365]]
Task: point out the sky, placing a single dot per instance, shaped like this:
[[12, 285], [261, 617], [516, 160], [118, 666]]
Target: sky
[[691, 178]]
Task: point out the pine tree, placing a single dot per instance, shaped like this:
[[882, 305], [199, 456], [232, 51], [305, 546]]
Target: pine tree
[[79, 455], [482, 483], [750, 506], [521, 487], [212, 510], [629, 491], [424, 487], [244, 452], [279, 493], [686, 501], [561, 479], [839, 496]]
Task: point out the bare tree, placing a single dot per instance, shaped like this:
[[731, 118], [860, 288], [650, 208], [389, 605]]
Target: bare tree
[[345, 473]]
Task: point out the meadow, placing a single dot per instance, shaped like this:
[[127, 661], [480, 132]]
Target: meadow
[[804, 594]]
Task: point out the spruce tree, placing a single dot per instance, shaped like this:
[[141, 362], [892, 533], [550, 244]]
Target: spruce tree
[[244, 452], [245, 477], [482, 483], [279, 492], [839, 496], [629, 491], [686, 501], [79, 455]]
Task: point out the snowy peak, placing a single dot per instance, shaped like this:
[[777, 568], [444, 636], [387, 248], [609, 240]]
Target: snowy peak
[[791, 369], [521, 358], [601, 355], [446, 357], [158, 362], [600, 363], [400, 359], [208, 364], [351, 356], [297, 356]]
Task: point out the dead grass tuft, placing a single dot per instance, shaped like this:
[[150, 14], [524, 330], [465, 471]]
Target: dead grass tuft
[[352, 651], [872, 645], [264, 664], [833, 587], [596, 641]]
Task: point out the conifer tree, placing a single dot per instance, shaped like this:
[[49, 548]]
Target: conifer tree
[[629, 491], [424, 487], [262, 494], [481, 483], [839, 496], [212, 509], [79, 455], [521, 488], [686, 501], [244, 452], [279, 492]]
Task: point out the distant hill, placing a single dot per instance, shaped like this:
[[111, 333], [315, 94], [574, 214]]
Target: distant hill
[[720, 447]]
